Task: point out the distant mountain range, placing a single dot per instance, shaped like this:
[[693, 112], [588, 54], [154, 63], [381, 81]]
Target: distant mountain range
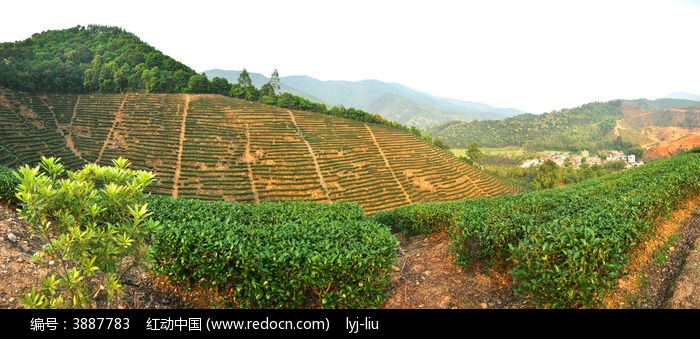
[[684, 95], [391, 100]]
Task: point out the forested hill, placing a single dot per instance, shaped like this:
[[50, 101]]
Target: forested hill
[[661, 104], [590, 126], [87, 60]]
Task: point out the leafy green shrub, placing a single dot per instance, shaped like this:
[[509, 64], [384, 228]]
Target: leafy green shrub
[[95, 227], [275, 255], [694, 150], [425, 218], [8, 185]]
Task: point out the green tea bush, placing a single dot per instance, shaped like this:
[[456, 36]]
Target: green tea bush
[[8, 185], [275, 254], [95, 226], [425, 218]]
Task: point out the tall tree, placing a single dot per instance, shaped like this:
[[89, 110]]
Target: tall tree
[[267, 90], [244, 79], [275, 81], [219, 86], [473, 153], [548, 175], [198, 83]]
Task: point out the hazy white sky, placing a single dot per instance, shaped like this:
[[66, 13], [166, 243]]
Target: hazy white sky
[[533, 55]]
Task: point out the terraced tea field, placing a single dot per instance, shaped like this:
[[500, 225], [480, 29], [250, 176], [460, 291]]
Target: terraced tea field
[[217, 148]]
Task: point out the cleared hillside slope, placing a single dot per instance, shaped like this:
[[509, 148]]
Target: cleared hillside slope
[[218, 148]]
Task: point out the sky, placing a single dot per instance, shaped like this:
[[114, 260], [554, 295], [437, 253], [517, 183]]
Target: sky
[[535, 55]]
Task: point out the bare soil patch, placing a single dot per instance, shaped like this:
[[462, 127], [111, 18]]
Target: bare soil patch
[[671, 147]]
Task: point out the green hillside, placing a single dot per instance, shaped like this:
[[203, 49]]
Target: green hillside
[[589, 126], [89, 59], [661, 104]]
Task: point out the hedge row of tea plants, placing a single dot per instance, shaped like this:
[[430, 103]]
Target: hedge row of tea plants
[[8, 185], [563, 247], [275, 255]]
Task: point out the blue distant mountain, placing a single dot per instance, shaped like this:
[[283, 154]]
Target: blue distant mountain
[[684, 96], [391, 100]]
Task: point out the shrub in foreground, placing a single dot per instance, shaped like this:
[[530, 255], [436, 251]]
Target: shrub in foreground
[[275, 254], [95, 227]]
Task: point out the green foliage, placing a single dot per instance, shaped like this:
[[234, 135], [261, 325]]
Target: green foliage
[[198, 83], [661, 253], [516, 176], [424, 218], [586, 127], [244, 79], [472, 154], [219, 86], [564, 247], [275, 81], [89, 59], [441, 144], [275, 255], [8, 185], [615, 165], [661, 104], [95, 226], [548, 175], [507, 170]]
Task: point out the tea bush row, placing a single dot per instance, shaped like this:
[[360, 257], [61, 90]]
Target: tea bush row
[[275, 255]]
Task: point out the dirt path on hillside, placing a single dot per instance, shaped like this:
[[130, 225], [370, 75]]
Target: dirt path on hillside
[[657, 260], [425, 277], [67, 136], [178, 163], [386, 161], [313, 156], [53, 114], [684, 292], [248, 158], [118, 116], [75, 111]]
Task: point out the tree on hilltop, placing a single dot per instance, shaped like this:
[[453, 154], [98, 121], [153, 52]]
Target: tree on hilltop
[[275, 80], [244, 79], [219, 85], [198, 83], [269, 90]]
